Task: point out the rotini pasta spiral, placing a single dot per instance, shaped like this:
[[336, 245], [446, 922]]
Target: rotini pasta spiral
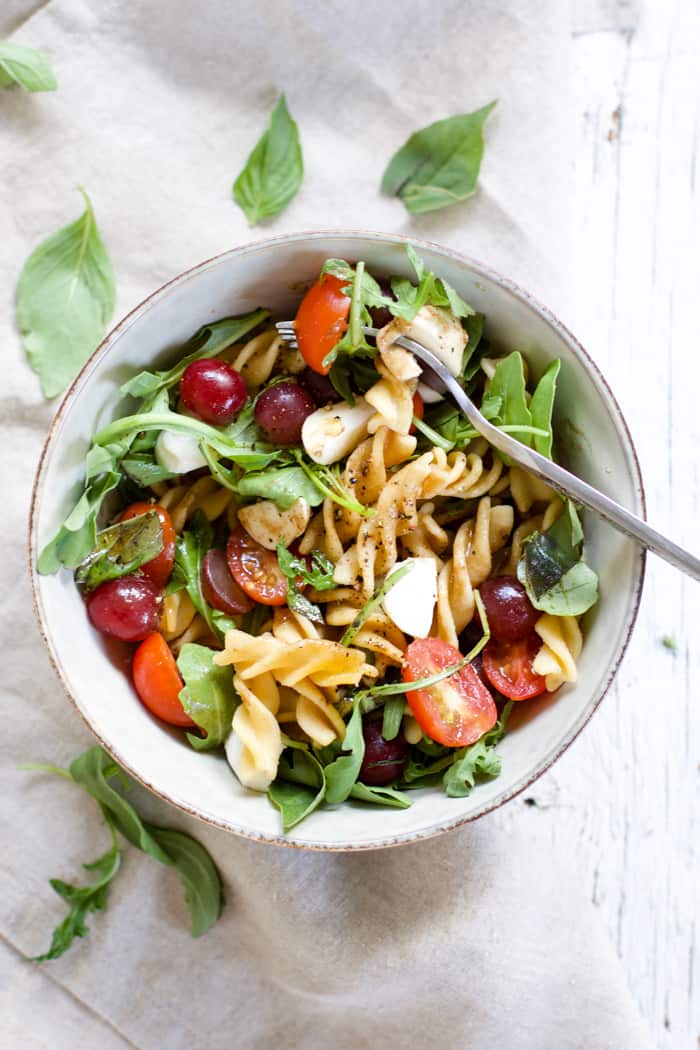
[[562, 646]]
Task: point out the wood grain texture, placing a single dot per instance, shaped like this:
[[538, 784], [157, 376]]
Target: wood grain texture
[[623, 801]]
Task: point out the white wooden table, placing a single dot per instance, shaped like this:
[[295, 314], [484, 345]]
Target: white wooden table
[[623, 801]]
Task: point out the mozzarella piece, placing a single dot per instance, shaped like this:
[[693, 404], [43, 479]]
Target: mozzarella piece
[[269, 525], [179, 453], [437, 329], [430, 396], [410, 602], [332, 432], [241, 762]]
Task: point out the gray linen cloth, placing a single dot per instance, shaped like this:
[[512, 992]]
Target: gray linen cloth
[[473, 939]]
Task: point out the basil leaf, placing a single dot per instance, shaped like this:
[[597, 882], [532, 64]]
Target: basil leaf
[[92, 770], [438, 165], [208, 696], [300, 785], [209, 341], [283, 485], [380, 796], [274, 170], [65, 297], [82, 899], [393, 717], [557, 581], [342, 773], [478, 760], [25, 66], [120, 550], [541, 407]]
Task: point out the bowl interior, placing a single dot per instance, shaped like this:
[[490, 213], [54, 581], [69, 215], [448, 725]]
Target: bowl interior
[[593, 439]]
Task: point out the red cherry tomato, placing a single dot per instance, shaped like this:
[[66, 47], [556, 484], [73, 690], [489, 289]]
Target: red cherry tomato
[[456, 711], [321, 320], [255, 569], [417, 410], [160, 567], [158, 682], [508, 667]]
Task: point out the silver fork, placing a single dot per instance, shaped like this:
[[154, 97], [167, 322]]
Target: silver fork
[[436, 376]]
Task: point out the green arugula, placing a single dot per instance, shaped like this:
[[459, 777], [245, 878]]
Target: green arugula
[[208, 695], [143, 470], [478, 760], [318, 575], [65, 297], [552, 570], [392, 717], [342, 773], [438, 165], [380, 796], [274, 170], [25, 66], [542, 407], [120, 550], [190, 548], [209, 341], [300, 785], [364, 292], [430, 291], [327, 481], [93, 770], [283, 485]]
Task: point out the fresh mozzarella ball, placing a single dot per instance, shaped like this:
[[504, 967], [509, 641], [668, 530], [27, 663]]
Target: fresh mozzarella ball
[[269, 525], [436, 329], [179, 453], [410, 602], [332, 432]]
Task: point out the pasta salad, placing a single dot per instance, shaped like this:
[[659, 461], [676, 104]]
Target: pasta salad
[[324, 570]]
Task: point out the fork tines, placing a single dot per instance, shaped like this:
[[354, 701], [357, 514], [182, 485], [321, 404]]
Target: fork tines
[[287, 331]]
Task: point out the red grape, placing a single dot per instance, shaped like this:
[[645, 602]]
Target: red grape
[[212, 390], [384, 759], [320, 387], [219, 588], [126, 608], [281, 410], [510, 612]]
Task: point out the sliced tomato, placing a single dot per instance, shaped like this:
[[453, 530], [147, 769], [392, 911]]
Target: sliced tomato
[[456, 711], [160, 567], [158, 682], [508, 667], [321, 320], [417, 410], [255, 569]]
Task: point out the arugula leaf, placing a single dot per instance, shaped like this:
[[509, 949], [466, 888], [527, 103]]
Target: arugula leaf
[[474, 325], [541, 407], [356, 371], [65, 297], [209, 341], [368, 288], [121, 549], [82, 899], [142, 469], [370, 605], [327, 481], [438, 165], [380, 796], [319, 575], [392, 717], [478, 760], [552, 571], [353, 341], [343, 772], [430, 291], [419, 773], [25, 66], [208, 695], [274, 170], [300, 785], [283, 485], [508, 385], [190, 548], [76, 537]]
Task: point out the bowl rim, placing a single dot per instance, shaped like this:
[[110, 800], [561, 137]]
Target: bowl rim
[[264, 245]]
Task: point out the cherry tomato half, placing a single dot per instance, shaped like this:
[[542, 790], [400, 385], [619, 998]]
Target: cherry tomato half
[[255, 569], [456, 711], [417, 410], [159, 568], [321, 320], [508, 667], [158, 682]]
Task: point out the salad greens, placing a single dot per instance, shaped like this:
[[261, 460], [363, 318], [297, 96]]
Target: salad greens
[[94, 770], [438, 165], [552, 569], [121, 549], [65, 297], [25, 66], [318, 574], [208, 695], [274, 170], [190, 548], [430, 291]]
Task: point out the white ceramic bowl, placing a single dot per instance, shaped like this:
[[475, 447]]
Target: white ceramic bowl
[[592, 435]]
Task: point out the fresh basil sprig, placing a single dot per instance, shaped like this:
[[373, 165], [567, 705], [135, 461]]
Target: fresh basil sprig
[[25, 66], [438, 165], [94, 770], [121, 549], [65, 297], [274, 170], [318, 575]]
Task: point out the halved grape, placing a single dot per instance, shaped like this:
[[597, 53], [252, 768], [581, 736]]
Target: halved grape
[[281, 410]]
